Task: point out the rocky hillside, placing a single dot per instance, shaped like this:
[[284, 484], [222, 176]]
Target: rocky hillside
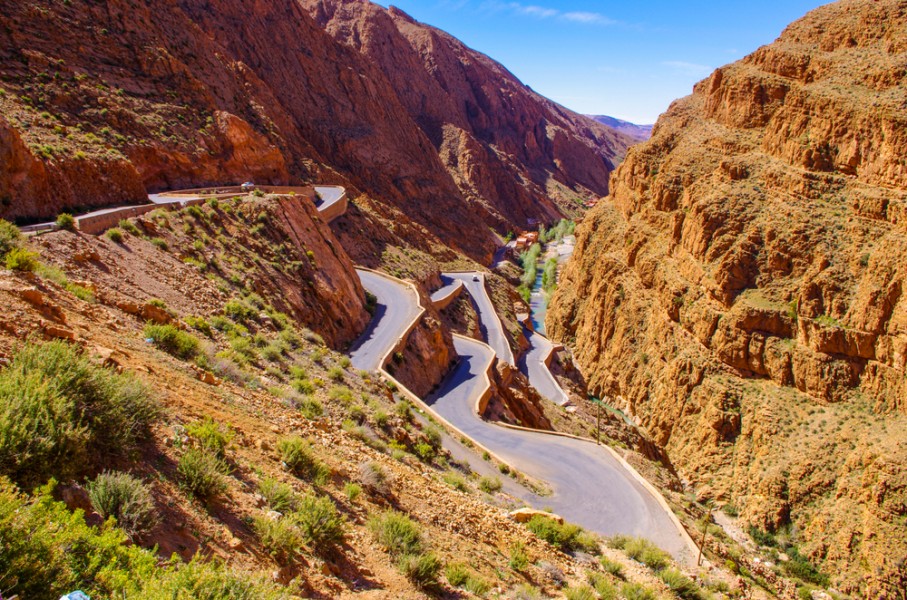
[[516, 154], [740, 292], [101, 102]]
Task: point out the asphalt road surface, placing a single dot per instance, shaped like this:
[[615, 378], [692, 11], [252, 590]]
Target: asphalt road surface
[[396, 308], [492, 330], [590, 487], [532, 365]]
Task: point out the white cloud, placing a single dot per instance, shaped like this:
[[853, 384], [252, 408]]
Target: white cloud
[[535, 11], [688, 67], [588, 17]]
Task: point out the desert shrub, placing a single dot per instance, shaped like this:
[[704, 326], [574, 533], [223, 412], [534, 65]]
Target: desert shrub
[[373, 478], [239, 311], [296, 453], [335, 373], [603, 587], [612, 567], [66, 222], [635, 591], [490, 485], [199, 324], [456, 573], [129, 227], [421, 569], [341, 393], [397, 533], [425, 452], [526, 591], [303, 386], [211, 435], [357, 414], [310, 408], [173, 341], [646, 552], [195, 212], [319, 522], [125, 498], [280, 537], [56, 407], [10, 237], [161, 244], [582, 592], [403, 409], [115, 235], [433, 434], [477, 585], [381, 418], [456, 481], [682, 586], [352, 490], [202, 473], [800, 567], [279, 496], [21, 259], [272, 352], [519, 560], [566, 536]]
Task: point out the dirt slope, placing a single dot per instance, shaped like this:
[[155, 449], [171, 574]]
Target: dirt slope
[[740, 292]]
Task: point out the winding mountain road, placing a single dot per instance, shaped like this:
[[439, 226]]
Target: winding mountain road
[[489, 322], [590, 486], [397, 307], [532, 364]]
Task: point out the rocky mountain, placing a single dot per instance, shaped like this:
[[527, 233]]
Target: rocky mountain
[[740, 291], [103, 102], [639, 133]]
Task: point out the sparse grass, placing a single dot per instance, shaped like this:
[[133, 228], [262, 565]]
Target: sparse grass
[[352, 490], [456, 481], [125, 498], [322, 527], [373, 478], [280, 537], [202, 473], [612, 567], [636, 591], [642, 550], [682, 586], [311, 408], [397, 533], [129, 227], [173, 341], [519, 560], [115, 235], [582, 592], [421, 569]]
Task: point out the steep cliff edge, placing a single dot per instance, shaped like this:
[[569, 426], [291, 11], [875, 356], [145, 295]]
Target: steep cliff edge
[[740, 292]]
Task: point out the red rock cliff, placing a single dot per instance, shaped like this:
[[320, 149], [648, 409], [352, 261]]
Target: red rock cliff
[[740, 292]]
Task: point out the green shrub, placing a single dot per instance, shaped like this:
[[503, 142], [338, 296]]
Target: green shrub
[[279, 496], [129, 227], [397, 533], [612, 567], [352, 490], [10, 236], [125, 498], [646, 552], [456, 481], [421, 569], [195, 212], [567, 536], [296, 453], [56, 408], [303, 386], [357, 414], [115, 235], [603, 587], [239, 311], [477, 585], [280, 537], [211, 435], [519, 560], [381, 418], [335, 373], [21, 259], [318, 520], [433, 434], [202, 473], [682, 586], [635, 591], [527, 591], [425, 452], [490, 485], [456, 573], [341, 393], [403, 409], [311, 408], [199, 324], [172, 340], [583, 592], [160, 243], [66, 222]]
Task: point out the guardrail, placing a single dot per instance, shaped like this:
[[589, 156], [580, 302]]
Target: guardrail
[[442, 302]]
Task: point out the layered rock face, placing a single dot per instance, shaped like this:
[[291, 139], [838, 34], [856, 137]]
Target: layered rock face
[[511, 151], [102, 102], [740, 292]]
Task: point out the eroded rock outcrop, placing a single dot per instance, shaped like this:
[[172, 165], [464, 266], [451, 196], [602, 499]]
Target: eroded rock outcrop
[[740, 290]]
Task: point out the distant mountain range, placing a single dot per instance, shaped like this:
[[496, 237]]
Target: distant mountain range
[[637, 132]]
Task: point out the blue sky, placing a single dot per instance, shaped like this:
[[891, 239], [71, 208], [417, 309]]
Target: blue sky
[[624, 59]]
